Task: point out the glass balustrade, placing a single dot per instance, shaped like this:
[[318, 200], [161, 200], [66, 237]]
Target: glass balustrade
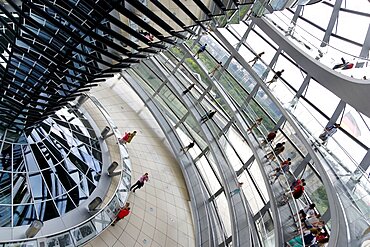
[[316, 48]]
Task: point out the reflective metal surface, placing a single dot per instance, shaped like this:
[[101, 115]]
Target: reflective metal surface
[[49, 171]]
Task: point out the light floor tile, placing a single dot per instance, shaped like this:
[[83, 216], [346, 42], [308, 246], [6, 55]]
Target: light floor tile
[[161, 206]]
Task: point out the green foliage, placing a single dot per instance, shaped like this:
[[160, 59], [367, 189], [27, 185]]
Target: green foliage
[[321, 199]]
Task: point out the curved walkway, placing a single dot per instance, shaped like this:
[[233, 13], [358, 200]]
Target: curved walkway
[[160, 210], [351, 90]]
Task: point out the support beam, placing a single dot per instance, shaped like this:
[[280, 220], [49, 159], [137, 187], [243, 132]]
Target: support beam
[[246, 165], [299, 169], [303, 86], [365, 49], [272, 63], [204, 229], [336, 114], [332, 21], [364, 165]]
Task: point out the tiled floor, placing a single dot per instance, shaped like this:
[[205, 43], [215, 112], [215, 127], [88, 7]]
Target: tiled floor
[[160, 213]]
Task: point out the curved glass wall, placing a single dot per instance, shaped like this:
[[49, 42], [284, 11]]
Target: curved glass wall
[[233, 92], [330, 37]]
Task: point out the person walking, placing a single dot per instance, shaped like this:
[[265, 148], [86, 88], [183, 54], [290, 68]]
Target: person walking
[[188, 89], [257, 122], [124, 138], [279, 148], [200, 50], [308, 211], [297, 182], [284, 167], [186, 148], [255, 59], [237, 190], [122, 213], [213, 71], [140, 183], [340, 65], [209, 115], [297, 192], [275, 77], [132, 135], [270, 137], [127, 138], [147, 35]]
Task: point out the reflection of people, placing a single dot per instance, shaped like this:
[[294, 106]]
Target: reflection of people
[[255, 59], [270, 137], [309, 237], [188, 89], [284, 167], [257, 122], [297, 182], [279, 148], [329, 132], [209, 115], [186, 148], [213, 71], [200, 50], [276, 76]]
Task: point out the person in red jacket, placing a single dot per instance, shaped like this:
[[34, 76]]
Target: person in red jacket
[[123, 212], [298, 191]]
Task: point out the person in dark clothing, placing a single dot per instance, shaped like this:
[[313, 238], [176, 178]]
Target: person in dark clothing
[[279, 148], [186, 148], [140, 183], [270, 137], [276, 76], [200, 50], [340, 65], [255, 59], [209, 115], [309, 237], [188, 89]]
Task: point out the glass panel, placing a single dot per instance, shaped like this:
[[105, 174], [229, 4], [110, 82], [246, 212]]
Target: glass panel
[[251, 192], [223, 212], [326, 104], [241, 147], [316, 190], [208, 175]]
